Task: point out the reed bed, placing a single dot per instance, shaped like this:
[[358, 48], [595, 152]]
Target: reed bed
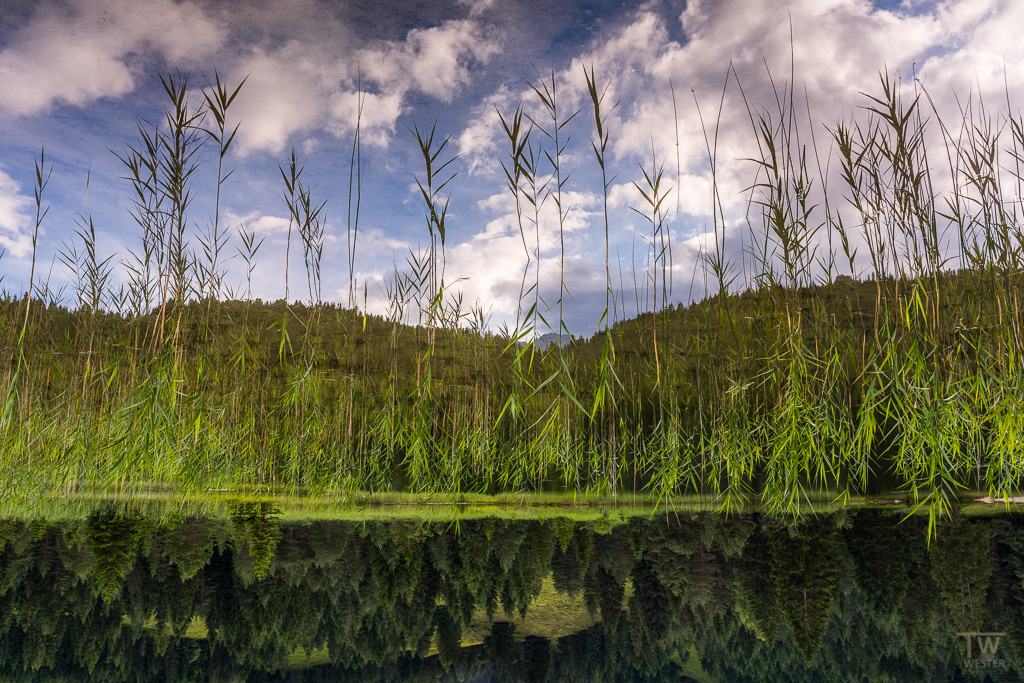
[[873, 344]]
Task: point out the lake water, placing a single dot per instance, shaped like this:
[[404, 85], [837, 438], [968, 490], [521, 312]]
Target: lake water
[[850, 596]]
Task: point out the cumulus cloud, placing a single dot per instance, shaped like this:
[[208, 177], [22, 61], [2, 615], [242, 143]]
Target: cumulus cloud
[[374, 240], [490, 265], [434, 61], [483, 142], [302, 87], [732, 45], [832, 41], [985, 53], [376, 116], [301, 81], [15, 221], [79, 52], [259, 223], [284, 95], [690, 194]]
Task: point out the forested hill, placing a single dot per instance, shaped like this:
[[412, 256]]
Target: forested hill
[[346, 339]]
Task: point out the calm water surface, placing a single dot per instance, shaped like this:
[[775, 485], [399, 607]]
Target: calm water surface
[[852, 596]]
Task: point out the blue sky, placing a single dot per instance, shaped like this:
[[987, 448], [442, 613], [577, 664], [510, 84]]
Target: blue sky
[[76, 76]]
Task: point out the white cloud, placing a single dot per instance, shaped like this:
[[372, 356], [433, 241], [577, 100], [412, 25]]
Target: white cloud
[[285, 95], [832, 42], [434, 61], [15, 221], [987, 53], [693, 198], [302, 87], [302, 78], [375, 241], [493, 267], [483, 144], [258, 223], [376, 120], [81, 52], [490, 264], [642, 67]]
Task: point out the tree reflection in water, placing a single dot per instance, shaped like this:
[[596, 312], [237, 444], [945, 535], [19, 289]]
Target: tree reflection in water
[[850, 596]]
